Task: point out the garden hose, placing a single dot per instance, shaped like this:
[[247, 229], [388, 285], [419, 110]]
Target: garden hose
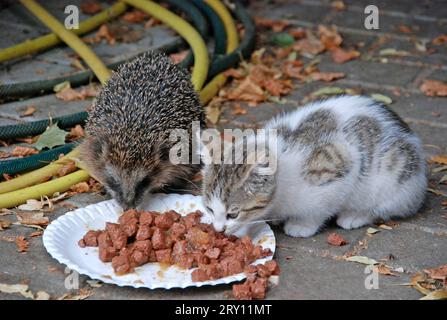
[[12, 198], [37, 176], [36, 161], [70, 38], [206, 94], [62, 184], [244, 50], [216, 25], [218, 81], [186, 31], [50, 40], [30, 88]]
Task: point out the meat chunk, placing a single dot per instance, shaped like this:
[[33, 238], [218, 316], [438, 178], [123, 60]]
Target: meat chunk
[[263, 271], [159, 239], [273, 267], [130, 227], [128, 215], [197, 238], [199, 275], [146, 218], [163, 256], [212, 253], [106, 254], [90, 239], [178, 231], [121, 263], [258, 288], [144, 232], [118, 237], [242, 291], [164, 221], [173, 215], [192, 219]]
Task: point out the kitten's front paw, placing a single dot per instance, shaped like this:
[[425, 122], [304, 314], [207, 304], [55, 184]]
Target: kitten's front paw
[[353, 221], [295, 229]]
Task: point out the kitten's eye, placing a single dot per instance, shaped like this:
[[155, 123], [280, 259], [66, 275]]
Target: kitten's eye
[[232, 215], [210, 210]]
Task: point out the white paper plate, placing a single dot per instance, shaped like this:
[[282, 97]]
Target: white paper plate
[[62, 235]]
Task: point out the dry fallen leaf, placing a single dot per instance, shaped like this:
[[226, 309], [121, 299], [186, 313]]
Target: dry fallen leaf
[[31, 205], [439, 159], [326, 76], [278, 87], [16, 288], [297, 33], [338, 5], [33, 219], [135, 16], [213, 110], [440, 40], [434, 88], [329, 37], [28, 111], [82, 294], [42, 295], [69, 94], [4, 154], [66, 169], [362, 260], [4, 224], [90, 7], [238, 110], [76, 133], [22, 244], [335, 239], [80, 187], [178, 57], [439, 273], [385, 270], [247, 90], [309, 46], [20, 151], [405, 29], [340, 55]]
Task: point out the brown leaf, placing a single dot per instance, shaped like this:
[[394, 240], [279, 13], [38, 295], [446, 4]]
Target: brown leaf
[[22, 244], [434, 88], [405, 29], [247, 90], [33, 218], [4, 224], [439, 273], [329, 37], [28, 111], [238, 110], [20, 151], [235, 73], [178, 57], [105, 33], [69, 94], [335, 239], [293, 69], [37, 233], [440, 40], [338, 5], [152, 22], [278, 87], [326, 76], [340, 55], [385, 270], [311, 46], [4, 154], [275, 25], [66, 169], [439, 159], [135, 16], [80, 187], [297, 33], [90, 7], [76, 133]]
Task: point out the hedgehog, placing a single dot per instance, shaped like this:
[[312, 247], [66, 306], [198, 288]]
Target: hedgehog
[[127, 143]]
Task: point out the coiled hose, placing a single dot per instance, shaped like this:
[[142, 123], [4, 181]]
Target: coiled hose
[[31, 88], [36, 161], [245, 49], [12, 198]]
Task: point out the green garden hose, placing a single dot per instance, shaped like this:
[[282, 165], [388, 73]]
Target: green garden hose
[[35, 161], [50, 40], [246, 47], [24, 89], [12, 198]]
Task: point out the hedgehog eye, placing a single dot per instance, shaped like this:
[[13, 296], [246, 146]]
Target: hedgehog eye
[[143, 184]]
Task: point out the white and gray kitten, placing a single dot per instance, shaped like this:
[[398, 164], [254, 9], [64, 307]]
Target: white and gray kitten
[[348, 157]]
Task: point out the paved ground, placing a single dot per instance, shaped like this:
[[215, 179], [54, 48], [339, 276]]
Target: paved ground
[[311, 268]]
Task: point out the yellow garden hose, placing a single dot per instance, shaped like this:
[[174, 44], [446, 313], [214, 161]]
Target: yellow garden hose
[[12, 198], [62, 184], [218, 81], [69, 38], [186, 31], [51, 39]]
